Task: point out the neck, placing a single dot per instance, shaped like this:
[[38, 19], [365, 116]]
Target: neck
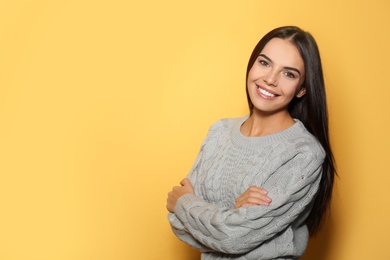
[[260, 124]]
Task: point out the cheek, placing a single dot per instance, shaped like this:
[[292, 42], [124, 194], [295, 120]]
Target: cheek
[[291, 88], [297, 89], [250, 76], [255, 73]]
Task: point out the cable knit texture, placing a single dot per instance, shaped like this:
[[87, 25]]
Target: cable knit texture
[[287, 164]]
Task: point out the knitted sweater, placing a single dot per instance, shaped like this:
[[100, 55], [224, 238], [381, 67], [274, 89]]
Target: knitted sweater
[[287, 164]]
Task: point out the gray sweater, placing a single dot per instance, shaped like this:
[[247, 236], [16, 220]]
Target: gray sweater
[[287, 164]]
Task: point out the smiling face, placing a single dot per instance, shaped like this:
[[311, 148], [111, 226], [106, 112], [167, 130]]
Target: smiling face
[[276, 77]]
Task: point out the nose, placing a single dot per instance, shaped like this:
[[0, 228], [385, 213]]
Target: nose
[[271, 79]]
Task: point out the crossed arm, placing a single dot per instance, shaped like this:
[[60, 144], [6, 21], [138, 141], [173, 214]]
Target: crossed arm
[[210, 228], [251, 197]]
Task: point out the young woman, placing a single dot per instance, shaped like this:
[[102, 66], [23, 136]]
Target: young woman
[[262, 183]]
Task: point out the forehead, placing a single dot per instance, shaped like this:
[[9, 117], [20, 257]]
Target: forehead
[[283, 52]]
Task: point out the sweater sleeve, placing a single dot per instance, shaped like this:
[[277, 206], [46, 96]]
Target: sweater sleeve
[[182, 233], [177, 225], [234, 231]]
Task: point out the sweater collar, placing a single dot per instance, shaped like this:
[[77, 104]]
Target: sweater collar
[[240, 139]]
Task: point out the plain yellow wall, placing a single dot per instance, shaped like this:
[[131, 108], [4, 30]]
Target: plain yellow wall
[[104, 105]]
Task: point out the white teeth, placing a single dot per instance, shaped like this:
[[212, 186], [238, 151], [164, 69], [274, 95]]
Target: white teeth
[[268, 94]]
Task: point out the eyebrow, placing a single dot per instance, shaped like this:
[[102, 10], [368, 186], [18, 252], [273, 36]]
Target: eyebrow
[[289, 68]]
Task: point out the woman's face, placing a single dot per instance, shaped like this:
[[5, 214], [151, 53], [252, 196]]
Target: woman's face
[[276, 77]]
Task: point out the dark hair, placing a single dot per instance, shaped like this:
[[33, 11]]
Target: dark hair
[[311, 109]]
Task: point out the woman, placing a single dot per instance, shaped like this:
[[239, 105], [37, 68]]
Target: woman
[[262, 184]]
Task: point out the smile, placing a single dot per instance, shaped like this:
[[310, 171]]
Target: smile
[[266, 93]]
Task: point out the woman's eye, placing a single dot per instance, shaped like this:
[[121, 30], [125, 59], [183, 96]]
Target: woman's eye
[[263, 62], [289, 74]]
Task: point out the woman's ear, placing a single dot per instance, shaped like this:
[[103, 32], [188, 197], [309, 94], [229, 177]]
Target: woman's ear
[[301, 93]]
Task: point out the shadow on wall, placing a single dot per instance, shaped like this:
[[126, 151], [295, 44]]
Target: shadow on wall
[[319, 245], [192, 254]]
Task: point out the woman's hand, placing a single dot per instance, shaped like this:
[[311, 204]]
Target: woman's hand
[[253, 196], [177, 192]]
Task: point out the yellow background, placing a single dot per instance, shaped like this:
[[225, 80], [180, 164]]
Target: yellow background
[[104, 105]]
